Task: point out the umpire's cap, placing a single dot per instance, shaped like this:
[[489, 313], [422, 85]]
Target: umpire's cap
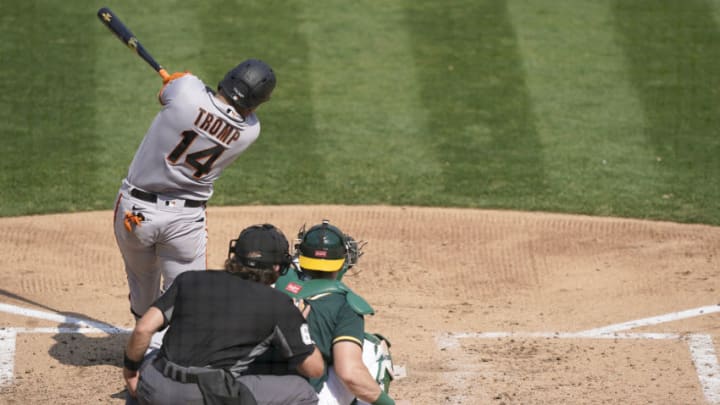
[[322, 248], [261, 247]]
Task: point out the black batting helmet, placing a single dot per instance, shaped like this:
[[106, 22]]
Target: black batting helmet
[[249, 84]]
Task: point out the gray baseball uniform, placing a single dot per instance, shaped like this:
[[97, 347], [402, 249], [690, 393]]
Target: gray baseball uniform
[[159, 218]]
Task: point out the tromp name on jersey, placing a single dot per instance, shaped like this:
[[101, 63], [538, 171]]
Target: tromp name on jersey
[[216, 127]]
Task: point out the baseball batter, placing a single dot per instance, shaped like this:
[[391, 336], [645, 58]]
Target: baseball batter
[[159, 218]]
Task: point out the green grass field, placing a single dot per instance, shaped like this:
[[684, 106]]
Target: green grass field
[[600, 107]]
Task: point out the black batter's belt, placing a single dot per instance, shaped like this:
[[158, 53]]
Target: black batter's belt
[[150, 197], [185, 375]]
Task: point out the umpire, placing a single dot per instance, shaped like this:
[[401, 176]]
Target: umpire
[[218, 323]]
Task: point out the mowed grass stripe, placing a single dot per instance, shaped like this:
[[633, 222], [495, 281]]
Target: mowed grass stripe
[[370, 124], [482, 104], [673, 55], [48, 146], [588, 115], [473, 90], [277, 168]]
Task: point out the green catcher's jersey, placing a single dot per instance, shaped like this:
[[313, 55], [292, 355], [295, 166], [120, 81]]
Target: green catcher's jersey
[[336, 314], [331, 320]]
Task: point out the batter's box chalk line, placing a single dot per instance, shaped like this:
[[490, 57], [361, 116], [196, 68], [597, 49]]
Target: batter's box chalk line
[[701, 347], [71, 324], [8, 336]]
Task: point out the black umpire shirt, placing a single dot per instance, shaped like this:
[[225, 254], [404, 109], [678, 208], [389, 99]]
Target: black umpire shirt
[[219, 320]]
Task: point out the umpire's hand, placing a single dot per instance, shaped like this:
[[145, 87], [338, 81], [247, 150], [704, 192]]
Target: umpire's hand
[[131, 381]]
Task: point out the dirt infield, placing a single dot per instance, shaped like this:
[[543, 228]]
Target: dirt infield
[[482, 307]]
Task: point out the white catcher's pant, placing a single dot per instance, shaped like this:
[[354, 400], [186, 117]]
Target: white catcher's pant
[[170, 240], [334, 392]]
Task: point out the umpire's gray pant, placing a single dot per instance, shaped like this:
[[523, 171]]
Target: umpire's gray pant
[[156, 389]]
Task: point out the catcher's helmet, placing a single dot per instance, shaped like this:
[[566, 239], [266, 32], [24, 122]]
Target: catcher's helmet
[[261, 247], [322, 248], [249, 84]]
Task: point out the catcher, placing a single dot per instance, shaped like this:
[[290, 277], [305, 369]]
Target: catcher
[[358, 364]]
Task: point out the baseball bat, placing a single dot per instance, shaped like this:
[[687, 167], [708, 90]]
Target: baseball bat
[[126, 36]]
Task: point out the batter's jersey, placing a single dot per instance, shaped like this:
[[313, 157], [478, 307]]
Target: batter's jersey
[[332, 320], [220, 320], [189, 143]]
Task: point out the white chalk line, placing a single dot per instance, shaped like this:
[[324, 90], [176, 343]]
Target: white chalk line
[[655, 320], [8, 336], [62, 319], [701, 347], [705, 359], [450, 340], [7, 356]]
